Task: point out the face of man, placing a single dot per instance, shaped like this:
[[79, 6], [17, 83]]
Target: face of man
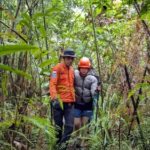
[[68, 61], [84, 71]]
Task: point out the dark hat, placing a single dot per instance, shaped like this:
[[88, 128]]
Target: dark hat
[[69, 53]]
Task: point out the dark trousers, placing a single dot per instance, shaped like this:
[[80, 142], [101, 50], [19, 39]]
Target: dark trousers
[[68, 114]]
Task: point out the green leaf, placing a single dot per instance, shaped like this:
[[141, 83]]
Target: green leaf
[[46, 63], [41, 54], [27, 17], [6, 124], [98, 10], [148, 16], [43, 124], [7, 68], [143, 16], [40, 15], [54, 25], [4, 50], [24, 23], [117, 123], [51, 10], [42, 30], [45, 72], [61, 104], [142, 97], [131, 93]]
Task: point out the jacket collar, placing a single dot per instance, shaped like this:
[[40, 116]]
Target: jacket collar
[[63, 64]]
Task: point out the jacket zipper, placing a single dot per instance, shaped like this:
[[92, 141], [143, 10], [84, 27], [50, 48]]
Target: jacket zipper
[[82, 90]]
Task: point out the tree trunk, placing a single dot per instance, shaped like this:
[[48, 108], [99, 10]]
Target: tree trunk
[[46, 42], [17, 12]]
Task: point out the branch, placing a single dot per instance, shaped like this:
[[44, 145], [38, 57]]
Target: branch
[[144, 23], [30, 10], [129, 86], [137, 102], [14, 31], [135, 105]]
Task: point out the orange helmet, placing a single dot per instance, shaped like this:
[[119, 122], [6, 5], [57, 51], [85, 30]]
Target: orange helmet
[[84, 63]]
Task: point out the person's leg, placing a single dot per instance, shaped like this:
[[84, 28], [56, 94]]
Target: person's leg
[[77, 125], [84, 120], [58, 119], [69, 122], [77, 120]]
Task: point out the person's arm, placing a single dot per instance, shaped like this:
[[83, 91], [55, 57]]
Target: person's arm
[[53, 82], [94, 87]]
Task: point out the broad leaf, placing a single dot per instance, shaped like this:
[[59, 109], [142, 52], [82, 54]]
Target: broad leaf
[[40, 15], [24, 23], [7, 68], [46, 63], [8, 49], [27, 17], [41, 54], [51, 10], [45, 72], [42, 30], [54, 25]]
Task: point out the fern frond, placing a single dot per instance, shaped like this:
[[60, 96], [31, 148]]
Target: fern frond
[[43, 124]]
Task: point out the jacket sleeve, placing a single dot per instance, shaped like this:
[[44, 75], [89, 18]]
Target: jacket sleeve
[[53, 82], [94, 87]]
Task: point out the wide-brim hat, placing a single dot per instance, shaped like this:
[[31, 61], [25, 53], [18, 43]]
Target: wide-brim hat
[[69, 53]]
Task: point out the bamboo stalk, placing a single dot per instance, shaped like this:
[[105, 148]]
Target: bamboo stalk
[[46, 42], [119, 134], [98, 59], [97, 52]]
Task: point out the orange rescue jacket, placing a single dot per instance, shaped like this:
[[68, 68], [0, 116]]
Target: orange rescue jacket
[[62, 83]]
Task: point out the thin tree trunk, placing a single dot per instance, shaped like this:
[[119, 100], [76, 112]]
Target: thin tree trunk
[[17, 12], [13, 24], [46, 42]]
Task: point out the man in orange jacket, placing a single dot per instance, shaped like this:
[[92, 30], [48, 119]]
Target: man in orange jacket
[[62, 89]]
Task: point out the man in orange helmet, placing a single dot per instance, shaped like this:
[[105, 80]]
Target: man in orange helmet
[[85, 85], [62, 89]]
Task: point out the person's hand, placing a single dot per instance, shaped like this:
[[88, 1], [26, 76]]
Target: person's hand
[[56, 103], [99, 88]]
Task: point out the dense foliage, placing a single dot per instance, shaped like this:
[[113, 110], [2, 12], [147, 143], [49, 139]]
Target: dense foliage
[[33, 35]]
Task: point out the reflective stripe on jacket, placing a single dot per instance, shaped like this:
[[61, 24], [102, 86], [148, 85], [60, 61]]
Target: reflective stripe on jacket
[[85, 87], [62, 82]]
